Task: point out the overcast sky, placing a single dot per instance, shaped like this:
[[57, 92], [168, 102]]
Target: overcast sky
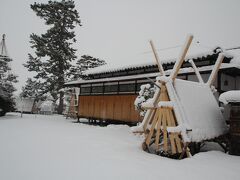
[[118, 31]]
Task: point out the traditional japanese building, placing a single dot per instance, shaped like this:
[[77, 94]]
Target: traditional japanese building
[[108, 94]]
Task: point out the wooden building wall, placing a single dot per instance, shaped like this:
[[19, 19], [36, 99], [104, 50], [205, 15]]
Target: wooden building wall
[[109, 107]]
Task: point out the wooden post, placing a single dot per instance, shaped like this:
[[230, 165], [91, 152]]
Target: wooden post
[[160, 68], [179, 62], [196, 71], [216, 67], [185, 149]]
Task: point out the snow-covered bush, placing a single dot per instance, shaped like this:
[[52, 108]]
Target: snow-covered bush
[[146, 92]]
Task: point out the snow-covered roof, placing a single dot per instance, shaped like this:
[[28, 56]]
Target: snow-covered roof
[[147, 59], [230, 96], [166, 57], [139, 76], [235, 54], [148, 75]]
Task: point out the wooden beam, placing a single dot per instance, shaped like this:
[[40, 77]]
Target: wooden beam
[[158, 133], [216, 67], [165, 133], [184, 150], [155, 107], [150, 134], [160, 68], [172, 142], [182, 56]]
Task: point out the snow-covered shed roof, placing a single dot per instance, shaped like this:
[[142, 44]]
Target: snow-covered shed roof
[[167, 57], [230, 96], [235, 54], [144, 76]]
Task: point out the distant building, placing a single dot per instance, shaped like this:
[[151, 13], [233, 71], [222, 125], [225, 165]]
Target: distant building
[[24, 105], [46, 107]]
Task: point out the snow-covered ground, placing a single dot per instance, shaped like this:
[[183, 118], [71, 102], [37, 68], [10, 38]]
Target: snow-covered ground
[[42, 147]]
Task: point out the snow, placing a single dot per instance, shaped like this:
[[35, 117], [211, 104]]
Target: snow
[[200, 110], [168, 56], [148, 75], [169, 104], [230, 96], [38, 147], [120, 78], [235, 53], [147, 59], [140, 127], [139, 100], [180, 115], [149, 103], [164, 79]]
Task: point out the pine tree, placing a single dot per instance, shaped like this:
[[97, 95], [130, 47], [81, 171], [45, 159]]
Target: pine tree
[[53, 50], [84, 63], [34, 89], [7, 80]]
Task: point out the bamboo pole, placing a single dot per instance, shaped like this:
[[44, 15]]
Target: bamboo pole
[[160, 68], [150, 112], [179, 62], [216, 67], [196, 71]]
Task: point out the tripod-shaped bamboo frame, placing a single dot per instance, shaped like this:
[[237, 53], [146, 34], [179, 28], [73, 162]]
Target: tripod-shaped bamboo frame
[[161, 117]]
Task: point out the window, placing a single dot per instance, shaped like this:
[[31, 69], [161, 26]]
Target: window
[[127, 87], [85, 90], [97, 89], [110, 88], [184, 77], [225, 83]]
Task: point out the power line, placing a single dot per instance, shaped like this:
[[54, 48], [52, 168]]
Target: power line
[[197, 43], [177, 46], [232, 48], [162, 49]]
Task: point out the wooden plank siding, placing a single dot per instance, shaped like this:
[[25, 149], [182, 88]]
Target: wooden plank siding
[[110, 107]]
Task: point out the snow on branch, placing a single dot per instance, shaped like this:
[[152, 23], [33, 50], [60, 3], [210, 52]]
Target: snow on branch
[[166, 104]]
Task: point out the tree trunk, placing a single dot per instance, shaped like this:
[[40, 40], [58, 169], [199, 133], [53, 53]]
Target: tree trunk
[[60, 106]]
